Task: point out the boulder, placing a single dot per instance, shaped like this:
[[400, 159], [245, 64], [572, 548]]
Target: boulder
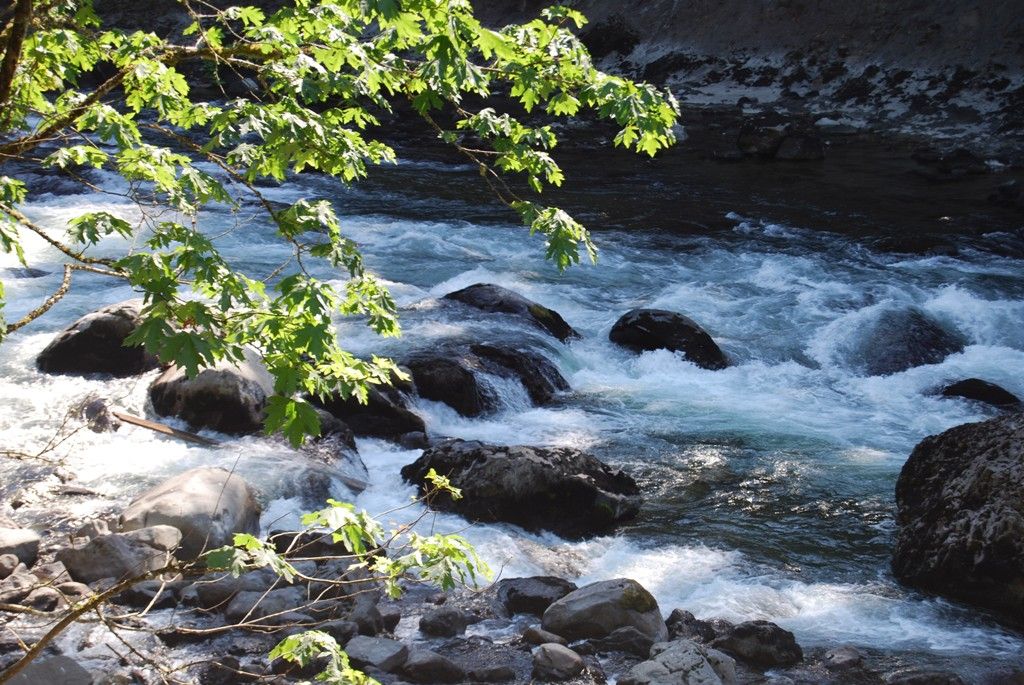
[[656, 329], [111, 556], [494, 298], [226, 397], [761, 643], [95, 344], [900, 339], [446, 621], [378, 652], [554, 662], [208, 506], [425, 666], [960, 515], [457, 376], [17, 585], [598, 609], [385, 414], [677, 663], [683, 624], [983, 391], [531, 595], [8, 564], [21, 542], [562, 490]]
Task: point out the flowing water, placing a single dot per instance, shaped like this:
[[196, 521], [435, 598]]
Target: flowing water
[[768, 485]]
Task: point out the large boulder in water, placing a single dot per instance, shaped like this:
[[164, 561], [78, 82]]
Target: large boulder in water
[[982, 391], [208, 506], [900, 339], [457, 376], [561, 489], [762, 643], [960, 515], [384, 415], [494, 298], [657, 329], [598, 609], [95, 344], [227, 397]]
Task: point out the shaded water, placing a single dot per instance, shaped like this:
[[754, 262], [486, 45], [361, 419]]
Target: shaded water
[[769, 485]]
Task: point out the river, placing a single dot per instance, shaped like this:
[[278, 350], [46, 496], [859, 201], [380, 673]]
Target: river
[[768, 486]]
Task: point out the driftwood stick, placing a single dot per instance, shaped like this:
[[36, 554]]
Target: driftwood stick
[[164, 428]]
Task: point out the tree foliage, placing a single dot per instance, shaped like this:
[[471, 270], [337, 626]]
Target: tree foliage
[[76, 95]]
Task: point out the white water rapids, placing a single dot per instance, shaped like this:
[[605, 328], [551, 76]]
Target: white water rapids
[[769, 485]]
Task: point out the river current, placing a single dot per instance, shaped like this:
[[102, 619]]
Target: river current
[[768, 486]]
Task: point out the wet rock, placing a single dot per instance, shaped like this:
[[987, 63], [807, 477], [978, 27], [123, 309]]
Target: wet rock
[[51, 573], [655, 329], [111, 556], [53, 670], [982, 391], [559, 489], [17, 586], [365, 613], [491, 674], [535, 635], [674, 663], [684, 625], [153, 593], [21, 542], [94, 344], [843, 658], [452, 381], [531, 595], [757, 139], [960, 515], [252, 605], [8, 563], [95, 411], [494, 298], [385, 414], [627, 639], [554, 662], [598, 609], [425, 666], [387, 655], [162, 537], [208, 506], [227, 397], [391, 616], [761, 643], [75, 592], [216, 590], [446, 622], [45, 599], [455, 376], [341, 631], [900, 339]]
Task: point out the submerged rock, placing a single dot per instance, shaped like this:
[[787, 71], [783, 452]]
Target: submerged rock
[[900, 339], [95, 344], [656, 329], [562, 490], [208, 506], [982, 391], [228, 397], [495, 298], [598, 609], [960, 515]]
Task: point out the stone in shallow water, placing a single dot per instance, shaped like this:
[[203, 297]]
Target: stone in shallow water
[[598, 609], [556, 662], [658, 329], [94, 344], [494, 298]]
